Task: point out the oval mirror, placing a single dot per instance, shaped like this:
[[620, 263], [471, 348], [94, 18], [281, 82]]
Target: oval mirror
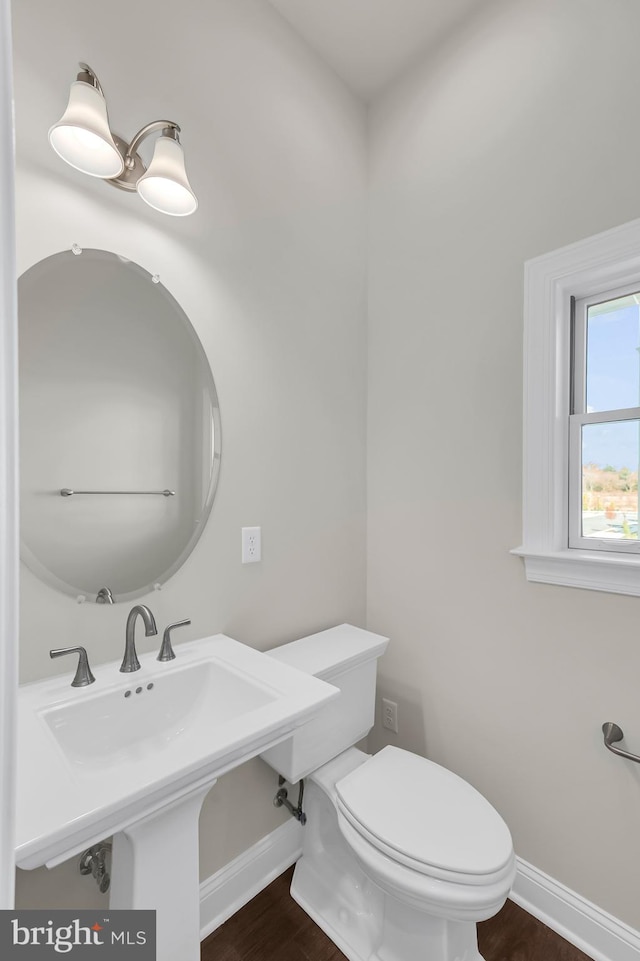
[[119, 425]]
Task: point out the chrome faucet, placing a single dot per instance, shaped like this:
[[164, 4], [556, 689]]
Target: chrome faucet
[[130, 660]]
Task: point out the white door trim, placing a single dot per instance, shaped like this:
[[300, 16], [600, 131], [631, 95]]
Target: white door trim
[[9, 552]]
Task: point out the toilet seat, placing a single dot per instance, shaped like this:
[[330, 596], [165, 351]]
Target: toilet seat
[[420, 815]]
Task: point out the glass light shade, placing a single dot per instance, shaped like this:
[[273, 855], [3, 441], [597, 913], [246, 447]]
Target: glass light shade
[[165, 186], [82, 136]]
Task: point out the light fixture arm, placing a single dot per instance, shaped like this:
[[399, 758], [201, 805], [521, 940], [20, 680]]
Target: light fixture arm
[[134, 168], [168, 127], [87, 75]]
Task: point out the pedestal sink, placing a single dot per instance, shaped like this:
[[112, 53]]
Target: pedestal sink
[[134, 755]]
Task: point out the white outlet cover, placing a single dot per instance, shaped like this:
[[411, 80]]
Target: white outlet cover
[[251, 545], [390, 714]]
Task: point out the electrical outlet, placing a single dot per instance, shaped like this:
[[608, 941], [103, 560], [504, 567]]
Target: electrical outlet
[[390, 715], [251, 545]]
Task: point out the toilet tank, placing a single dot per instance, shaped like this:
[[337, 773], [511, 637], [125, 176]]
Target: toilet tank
[[346, 657]]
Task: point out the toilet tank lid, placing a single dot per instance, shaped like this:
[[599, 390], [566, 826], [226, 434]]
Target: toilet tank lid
[[335, 649]]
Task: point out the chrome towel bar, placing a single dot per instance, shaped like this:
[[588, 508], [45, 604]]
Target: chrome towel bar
[[67, 492], [613, 733]]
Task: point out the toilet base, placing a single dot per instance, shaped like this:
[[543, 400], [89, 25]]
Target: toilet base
[[367, 925], [343, 926], [363, 921]]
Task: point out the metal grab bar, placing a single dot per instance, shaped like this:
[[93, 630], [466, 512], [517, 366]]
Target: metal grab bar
[[613, 733], [67, 492]]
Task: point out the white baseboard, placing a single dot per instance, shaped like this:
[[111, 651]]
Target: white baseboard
[[600, 935], [229, 889]]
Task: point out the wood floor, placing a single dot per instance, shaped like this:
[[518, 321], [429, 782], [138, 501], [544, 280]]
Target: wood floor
[[273, 928]]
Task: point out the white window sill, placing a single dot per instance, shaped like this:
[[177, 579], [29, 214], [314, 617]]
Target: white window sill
[[589, 570]]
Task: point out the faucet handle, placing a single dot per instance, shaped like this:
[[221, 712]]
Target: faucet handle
[[166, 650], [83, 677]]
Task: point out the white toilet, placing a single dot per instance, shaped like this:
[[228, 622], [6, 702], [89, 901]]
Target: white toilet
[[401, 857]]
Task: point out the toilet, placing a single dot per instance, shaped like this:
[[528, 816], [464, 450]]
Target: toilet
[[401, 857]]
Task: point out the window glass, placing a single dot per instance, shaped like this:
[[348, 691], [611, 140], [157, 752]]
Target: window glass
[[610, 480], [613, 354]]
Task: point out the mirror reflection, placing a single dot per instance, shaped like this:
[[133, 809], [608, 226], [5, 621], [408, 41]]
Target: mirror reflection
[[120, 428]]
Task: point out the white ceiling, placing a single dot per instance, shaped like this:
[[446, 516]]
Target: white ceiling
[[370, 42]]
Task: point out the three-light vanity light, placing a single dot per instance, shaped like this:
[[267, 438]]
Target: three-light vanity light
[[84, 139]]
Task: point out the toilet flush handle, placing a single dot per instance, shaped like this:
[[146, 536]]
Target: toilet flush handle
[[612, 733]]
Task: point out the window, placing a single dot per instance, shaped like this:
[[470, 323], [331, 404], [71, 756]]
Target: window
[[582, 414], [604, 422]]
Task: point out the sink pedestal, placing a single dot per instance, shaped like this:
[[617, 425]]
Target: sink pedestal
[[155, 865]]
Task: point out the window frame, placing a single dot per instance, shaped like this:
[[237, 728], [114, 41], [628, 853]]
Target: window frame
[[590, 267]]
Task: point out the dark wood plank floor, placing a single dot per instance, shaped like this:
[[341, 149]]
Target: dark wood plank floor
[[273, 927]]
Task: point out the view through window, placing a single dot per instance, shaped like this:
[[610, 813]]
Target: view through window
[[606, 412]]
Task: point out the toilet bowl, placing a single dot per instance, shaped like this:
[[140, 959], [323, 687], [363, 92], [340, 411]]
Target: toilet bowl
[[401, 857]]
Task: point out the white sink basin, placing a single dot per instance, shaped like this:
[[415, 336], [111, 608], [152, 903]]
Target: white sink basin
[[93, 760], [125, 726]]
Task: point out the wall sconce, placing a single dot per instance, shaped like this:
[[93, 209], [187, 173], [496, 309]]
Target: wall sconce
[[84, 139]]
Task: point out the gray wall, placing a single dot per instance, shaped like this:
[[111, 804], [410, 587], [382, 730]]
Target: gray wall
[[515, 136], [271, 272]]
